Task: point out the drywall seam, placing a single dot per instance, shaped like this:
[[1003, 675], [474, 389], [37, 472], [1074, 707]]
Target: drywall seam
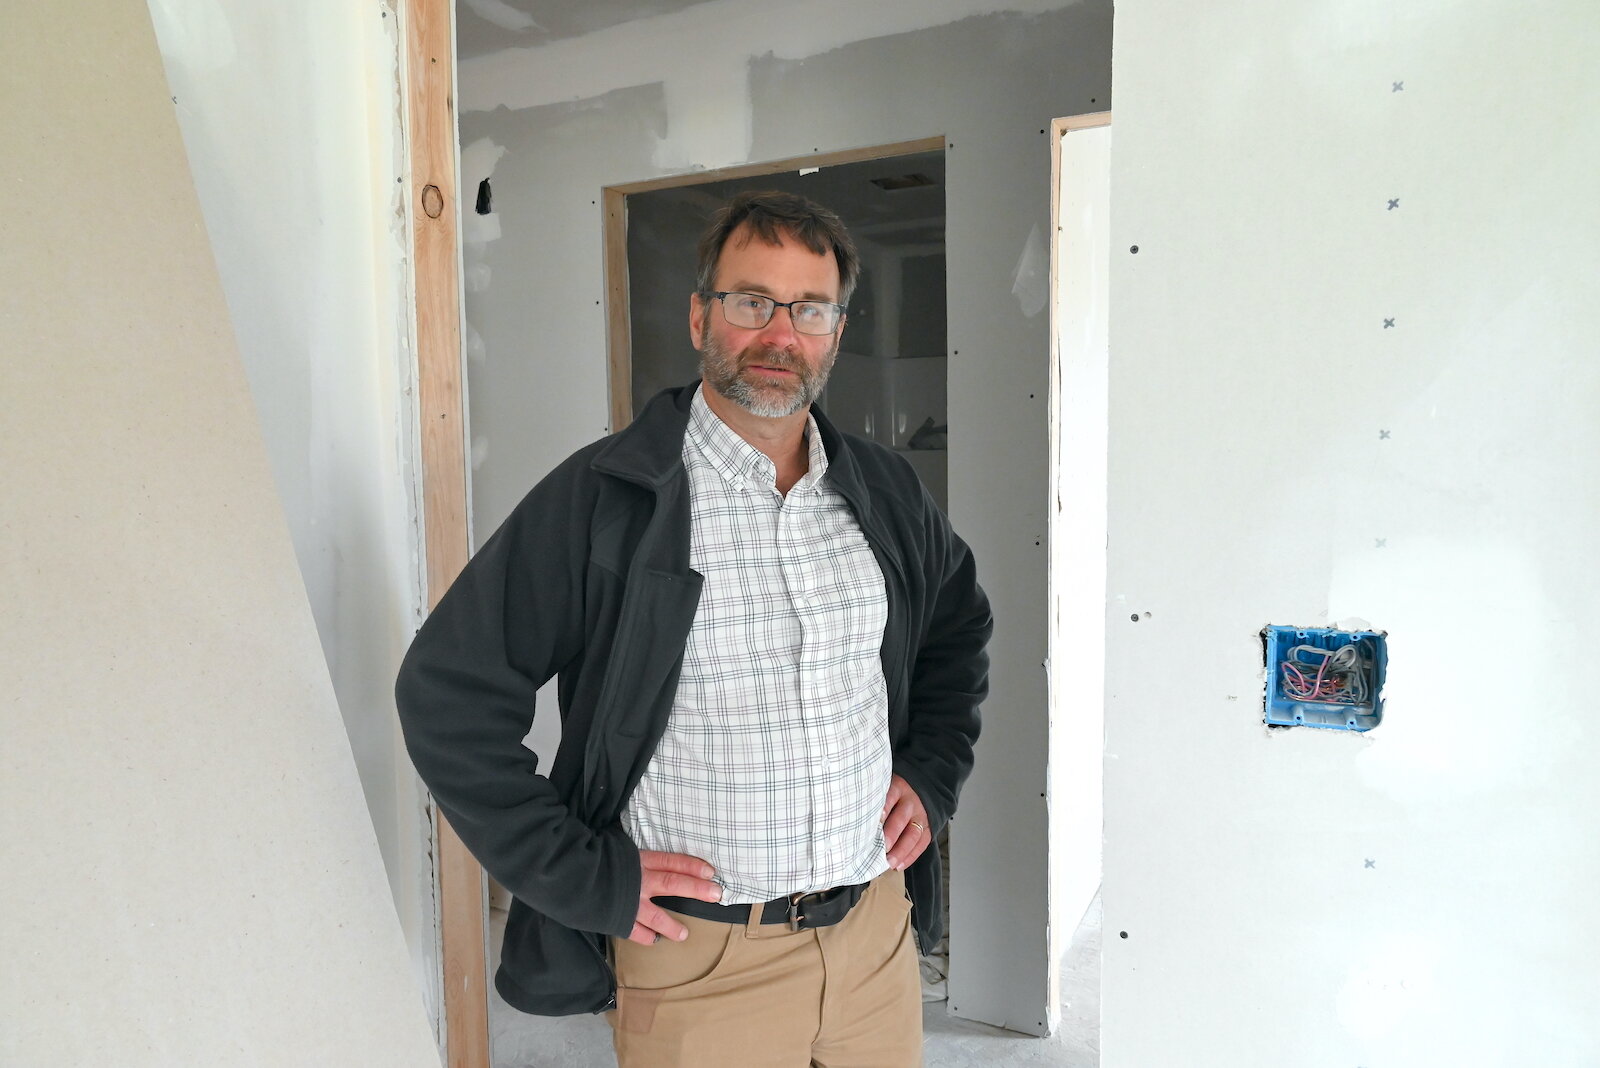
[[408, 435], [408, 419], [701, 56], [478, 231], [709, 121], [461, 297], [1031, 281], [687, 42], [201, 33], [386, 52], [503, 15]]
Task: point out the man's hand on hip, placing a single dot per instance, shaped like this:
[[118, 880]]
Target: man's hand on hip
[[669, 875], [905, 824]]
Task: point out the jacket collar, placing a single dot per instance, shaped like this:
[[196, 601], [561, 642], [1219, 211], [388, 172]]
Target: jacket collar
[[649, 450]]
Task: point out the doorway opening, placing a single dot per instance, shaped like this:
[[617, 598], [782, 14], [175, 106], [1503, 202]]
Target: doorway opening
[[1079, 432]]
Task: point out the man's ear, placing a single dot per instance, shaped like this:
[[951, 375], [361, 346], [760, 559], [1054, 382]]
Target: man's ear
[[697, 320]]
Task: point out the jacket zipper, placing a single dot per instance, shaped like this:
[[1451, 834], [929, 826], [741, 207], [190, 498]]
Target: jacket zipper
[[603, 704], [611, 976], [882, 551]]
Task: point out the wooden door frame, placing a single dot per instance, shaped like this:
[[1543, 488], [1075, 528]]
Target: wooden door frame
[[428, 64], [619, 336]]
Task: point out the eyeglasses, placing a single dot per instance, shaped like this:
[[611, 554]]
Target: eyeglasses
[[753, 311]]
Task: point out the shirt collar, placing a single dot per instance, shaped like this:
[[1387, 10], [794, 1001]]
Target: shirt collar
[[737, 461]]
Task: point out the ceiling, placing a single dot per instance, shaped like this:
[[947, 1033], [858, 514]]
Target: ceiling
[[484, 26]]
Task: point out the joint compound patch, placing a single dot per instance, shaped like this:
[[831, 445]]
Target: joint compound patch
[[1031, 285]]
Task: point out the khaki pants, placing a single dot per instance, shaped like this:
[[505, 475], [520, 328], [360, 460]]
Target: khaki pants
[[759, 995]]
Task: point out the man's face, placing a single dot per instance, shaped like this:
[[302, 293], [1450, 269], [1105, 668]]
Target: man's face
[[773, 371]]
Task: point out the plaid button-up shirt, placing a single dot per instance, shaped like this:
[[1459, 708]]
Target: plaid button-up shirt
[[775, 760]]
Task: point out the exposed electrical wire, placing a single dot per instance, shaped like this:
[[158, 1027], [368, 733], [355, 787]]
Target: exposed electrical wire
[[1327, 676]]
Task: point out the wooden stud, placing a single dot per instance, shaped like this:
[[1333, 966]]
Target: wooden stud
[[431, 144], [619, 331]]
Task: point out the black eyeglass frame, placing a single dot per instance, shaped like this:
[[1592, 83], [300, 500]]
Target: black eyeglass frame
[[720, 297]]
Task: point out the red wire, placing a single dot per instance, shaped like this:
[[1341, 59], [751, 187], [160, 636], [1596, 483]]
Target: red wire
[[1320, 688]]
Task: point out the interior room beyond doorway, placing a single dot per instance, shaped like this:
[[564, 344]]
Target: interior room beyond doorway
[[889, 383]]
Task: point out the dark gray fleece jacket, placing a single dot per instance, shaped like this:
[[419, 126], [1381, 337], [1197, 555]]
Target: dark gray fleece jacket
[[588, 581]]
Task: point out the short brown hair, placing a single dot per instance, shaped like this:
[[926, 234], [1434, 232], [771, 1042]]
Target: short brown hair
[[771, 215]]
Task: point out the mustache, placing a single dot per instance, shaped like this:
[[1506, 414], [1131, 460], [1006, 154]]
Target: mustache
[[773, 358]]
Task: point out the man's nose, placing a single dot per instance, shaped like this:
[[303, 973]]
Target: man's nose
[[779, 332]]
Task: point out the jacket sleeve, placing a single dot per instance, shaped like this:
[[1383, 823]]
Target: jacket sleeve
[[466, 692], [950, 672]]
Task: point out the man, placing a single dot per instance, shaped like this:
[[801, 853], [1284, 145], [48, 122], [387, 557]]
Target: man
[[770, 652]]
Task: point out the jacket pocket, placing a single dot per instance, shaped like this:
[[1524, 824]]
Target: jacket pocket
[[550, 970], [642, 674]]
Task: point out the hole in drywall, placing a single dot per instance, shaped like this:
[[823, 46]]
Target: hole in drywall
[[895, 182], [485, 198]]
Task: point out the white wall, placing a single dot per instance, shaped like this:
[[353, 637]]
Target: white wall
[[191, 876], [1423, 894], [1078, 532], [744, 80], [290, 116]]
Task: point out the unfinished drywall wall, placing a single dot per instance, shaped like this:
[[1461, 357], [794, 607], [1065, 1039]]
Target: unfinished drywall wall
[[1353, 377], [290, 116], [191, 873], [727, 83]]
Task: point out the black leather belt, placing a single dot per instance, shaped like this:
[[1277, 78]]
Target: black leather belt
[[800, 911]]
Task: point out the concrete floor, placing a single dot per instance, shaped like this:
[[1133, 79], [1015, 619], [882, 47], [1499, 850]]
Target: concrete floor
[[522, 1041]]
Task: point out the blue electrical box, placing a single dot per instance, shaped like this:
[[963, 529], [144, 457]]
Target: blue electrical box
[[1325, 678]]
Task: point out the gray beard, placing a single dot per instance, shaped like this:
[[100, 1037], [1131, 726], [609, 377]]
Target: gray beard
[[723, 372]]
